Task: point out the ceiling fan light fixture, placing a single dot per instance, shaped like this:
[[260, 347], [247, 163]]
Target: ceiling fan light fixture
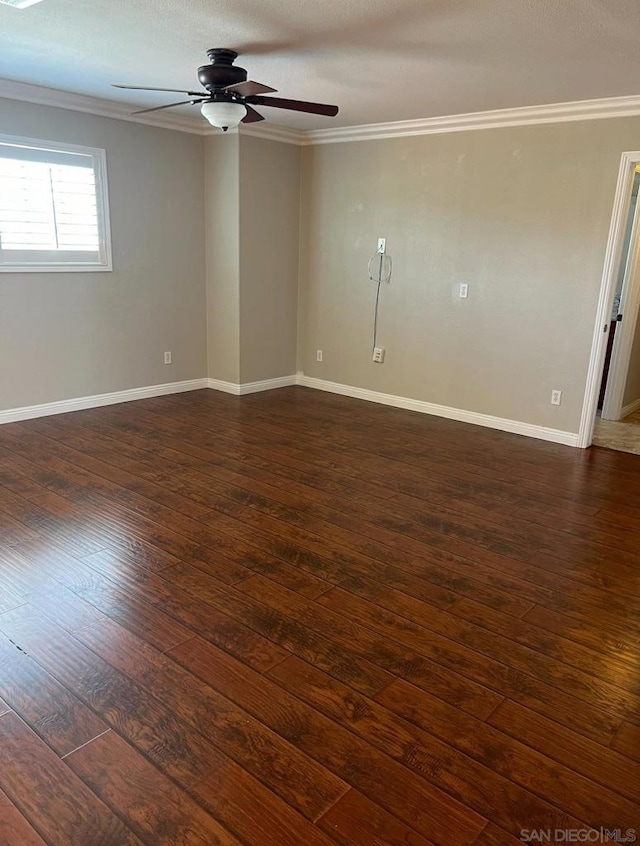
[[223, 114]]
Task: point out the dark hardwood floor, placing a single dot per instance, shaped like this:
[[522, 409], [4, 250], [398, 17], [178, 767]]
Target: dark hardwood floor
[[297, 619]]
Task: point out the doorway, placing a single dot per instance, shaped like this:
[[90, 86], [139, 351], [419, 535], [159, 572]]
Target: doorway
[[617, 424], [611, 408]]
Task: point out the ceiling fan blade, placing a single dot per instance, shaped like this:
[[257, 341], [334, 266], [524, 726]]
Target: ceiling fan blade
[[295, 105], [251, 116], [169, 90], [249, 88], [168, 106]]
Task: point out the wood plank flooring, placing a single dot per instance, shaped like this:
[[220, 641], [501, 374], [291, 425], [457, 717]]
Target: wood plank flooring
[[297, 619]]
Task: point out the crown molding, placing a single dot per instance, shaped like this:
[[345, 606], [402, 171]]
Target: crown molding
[[41, 96], [611, 107], [272, 132], [266, 131]]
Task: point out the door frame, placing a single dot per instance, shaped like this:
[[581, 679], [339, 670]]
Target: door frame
[[623, 343], [613, 255]]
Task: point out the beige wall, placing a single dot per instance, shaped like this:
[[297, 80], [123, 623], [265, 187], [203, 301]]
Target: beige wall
[[269, 224], [222, 233], [252, 222], [520, 214], [65, 335]]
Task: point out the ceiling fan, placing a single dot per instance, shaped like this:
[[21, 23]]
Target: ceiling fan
[[229, 97]]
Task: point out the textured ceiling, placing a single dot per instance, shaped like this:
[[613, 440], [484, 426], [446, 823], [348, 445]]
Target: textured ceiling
[[379, 60]]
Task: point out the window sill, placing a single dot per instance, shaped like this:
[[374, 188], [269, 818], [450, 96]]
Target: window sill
[[56, 268]]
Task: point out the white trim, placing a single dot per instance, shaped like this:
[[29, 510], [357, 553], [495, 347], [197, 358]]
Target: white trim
[[267, 384], [41, 96], [272, 132], [13, 415], [225, 387], [629, 409], [28, 412], [605, 301], [625, 333], [251, 387], [266, 131], [609, 107], [517, 427]]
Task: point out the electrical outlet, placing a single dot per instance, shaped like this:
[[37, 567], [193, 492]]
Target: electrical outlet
[[382, 245], [463, 290], [556, 397], [167, 357], [318, 355], [378, 355]]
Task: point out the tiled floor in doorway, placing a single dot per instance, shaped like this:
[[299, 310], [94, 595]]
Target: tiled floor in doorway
[[623, 435]]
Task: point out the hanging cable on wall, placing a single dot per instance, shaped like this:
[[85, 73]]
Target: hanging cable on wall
[[379, 268]]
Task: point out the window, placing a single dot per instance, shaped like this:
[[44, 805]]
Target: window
[[53, 207]]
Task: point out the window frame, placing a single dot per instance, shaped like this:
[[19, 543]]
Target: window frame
[[99, 157]]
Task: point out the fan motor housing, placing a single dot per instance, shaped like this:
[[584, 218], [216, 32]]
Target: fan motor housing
[[221, 71]]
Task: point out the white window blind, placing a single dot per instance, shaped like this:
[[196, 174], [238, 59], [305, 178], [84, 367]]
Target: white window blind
[[53, 208]]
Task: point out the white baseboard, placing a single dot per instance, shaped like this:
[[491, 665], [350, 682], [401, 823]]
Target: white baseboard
[[629, 409], [12, 415], [226, 387], [251, 387], [515, 426]]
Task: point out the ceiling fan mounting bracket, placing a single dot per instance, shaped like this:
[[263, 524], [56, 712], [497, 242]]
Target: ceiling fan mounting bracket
[[222, 56], [221, 72]]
